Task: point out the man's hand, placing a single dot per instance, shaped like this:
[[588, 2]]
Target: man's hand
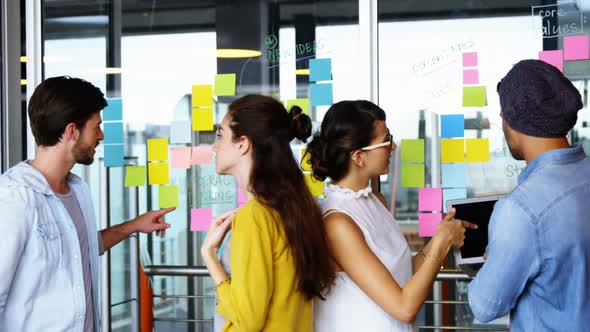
[[152, 221]]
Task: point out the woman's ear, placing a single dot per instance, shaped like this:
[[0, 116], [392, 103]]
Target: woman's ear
[[358, 158], [244, 144]]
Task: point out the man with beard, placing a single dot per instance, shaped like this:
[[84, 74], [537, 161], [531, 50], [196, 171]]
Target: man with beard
[[538, 254], [49, 267]]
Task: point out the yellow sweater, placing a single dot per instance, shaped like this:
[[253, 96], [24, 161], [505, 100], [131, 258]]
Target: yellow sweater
[[263, 293]]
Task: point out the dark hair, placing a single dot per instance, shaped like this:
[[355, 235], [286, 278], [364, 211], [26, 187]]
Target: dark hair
[[347, 126], [277, 182], [58, 101]]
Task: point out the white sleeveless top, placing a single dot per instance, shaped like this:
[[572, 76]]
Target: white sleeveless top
[[347, 307]]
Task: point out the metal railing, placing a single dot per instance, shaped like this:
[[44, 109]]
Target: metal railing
[[437, 302]]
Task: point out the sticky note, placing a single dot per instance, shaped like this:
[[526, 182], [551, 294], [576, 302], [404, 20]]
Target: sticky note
[[449, 194], [202, 96], [412, 175], [201, 219], [474, 96], [412, 150], [452, 125], [114, 110], [242, 198], [576, 47], [453, 175], [202, 119], [135, 176], [302, 102], [478, 150], [180, 157], [430, 199], [470, 59], [320, 70], [113, 155], [321, 94], [180, 132], [167, 196], [554, 58], [158, 173], [452, 150], [427, 223], [315, 186], [202, 155], [225, 85], [470, 76], [305, 165], [157, 149], [113, 132]]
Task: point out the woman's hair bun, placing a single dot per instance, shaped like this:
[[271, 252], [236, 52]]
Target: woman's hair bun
[[300, 124]]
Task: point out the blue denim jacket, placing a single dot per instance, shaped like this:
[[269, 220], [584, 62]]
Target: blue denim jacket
[[41, 281], [538, 255]]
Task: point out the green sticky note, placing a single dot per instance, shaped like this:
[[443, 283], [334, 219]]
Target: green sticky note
[[168, 196], [135, 176], [412, 150], [302, 102], [474, 96], [225, 85], [413, 175]]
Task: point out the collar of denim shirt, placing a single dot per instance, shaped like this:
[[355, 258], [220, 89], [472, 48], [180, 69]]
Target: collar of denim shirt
[[32, 178], [570, 154]]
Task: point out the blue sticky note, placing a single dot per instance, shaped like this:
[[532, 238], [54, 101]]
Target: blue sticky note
[[113, 111], [113, 155], [453, 176], [321, 94], [449, 194], [452, 125], [320, 70], [113, 132]]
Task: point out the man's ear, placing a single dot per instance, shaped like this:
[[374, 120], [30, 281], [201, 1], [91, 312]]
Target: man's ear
[[358, 158], [71, 132], [244, 144]]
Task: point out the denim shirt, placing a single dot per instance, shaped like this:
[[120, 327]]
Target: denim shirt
[[538, 254], [41, 280]]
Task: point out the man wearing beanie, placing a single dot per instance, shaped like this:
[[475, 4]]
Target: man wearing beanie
[[538, 254]]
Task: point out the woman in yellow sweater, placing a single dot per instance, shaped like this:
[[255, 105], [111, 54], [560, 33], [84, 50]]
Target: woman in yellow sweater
[[278, 253]]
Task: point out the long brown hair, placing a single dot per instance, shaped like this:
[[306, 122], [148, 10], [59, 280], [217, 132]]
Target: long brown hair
[[277, 182]]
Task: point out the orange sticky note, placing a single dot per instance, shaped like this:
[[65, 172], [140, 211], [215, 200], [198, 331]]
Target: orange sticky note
[[478, 150]]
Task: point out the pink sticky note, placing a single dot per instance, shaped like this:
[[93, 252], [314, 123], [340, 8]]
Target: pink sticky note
[[427, 223], [430, 199], [180, 158], [202, 155], [242, 199], [576, 47], [470, 59], [470, 76], [201, 219], [554, 58]]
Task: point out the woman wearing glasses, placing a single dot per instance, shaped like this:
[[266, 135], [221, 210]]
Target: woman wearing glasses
[[379, 285], [278, 253]]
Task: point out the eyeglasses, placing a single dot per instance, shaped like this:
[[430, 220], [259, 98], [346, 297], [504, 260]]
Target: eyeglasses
[[388, 142]]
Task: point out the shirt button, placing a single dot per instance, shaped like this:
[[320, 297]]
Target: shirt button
[[81, 316]]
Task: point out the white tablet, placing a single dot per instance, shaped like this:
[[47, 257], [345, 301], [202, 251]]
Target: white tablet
[[478, 211]]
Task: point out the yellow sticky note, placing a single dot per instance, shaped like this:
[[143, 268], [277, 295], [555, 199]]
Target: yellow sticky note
[[452, 150], [157, 149], [302, 102], [158, 173], [202, 96], [478, 150], [202, 119], [315, 186], [225, 85], [167, 196], [305, 165], [412, 175], [135, 176]]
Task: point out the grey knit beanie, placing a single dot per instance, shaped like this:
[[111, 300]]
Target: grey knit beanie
[[538, 100]]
